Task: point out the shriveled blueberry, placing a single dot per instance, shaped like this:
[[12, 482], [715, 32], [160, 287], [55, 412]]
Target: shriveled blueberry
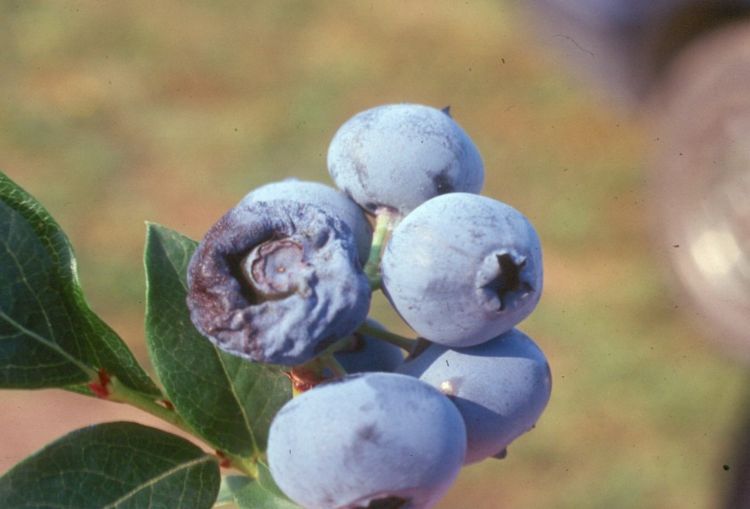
[[366, 353], [367, 440], [329, 199], [277, 282], [462, 268], [500, 387], [400, 155]]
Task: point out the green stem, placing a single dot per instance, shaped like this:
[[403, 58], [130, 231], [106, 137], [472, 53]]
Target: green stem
[[335, 366], [247, 466], [390, 337], [121, 393], [384, 224], [338, 345], [311, 373]]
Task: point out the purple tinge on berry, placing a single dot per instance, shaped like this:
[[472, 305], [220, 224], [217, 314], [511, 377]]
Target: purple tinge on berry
[[277, 282]]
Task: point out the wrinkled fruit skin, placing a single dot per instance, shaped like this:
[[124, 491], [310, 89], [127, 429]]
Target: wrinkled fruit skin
[[331, 200], [461, 269], [277, 282], [501, 387], [367, 437], [400, 155], [366, 353]]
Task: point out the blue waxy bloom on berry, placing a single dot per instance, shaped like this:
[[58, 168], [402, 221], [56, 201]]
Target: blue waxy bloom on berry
[[277, 282], [500, 387], [400, 155], [367, 440], [462, 268], [366, 353]]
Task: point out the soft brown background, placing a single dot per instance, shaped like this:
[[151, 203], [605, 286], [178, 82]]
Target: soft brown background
[[114, 113]]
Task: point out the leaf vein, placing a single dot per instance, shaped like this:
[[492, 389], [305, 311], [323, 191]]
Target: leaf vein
[[152, 482]]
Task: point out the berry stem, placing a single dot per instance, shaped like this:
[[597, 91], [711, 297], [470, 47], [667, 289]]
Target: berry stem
[[335, 366], [247, 466], [306, 376], [385, 220], [390, 337], [320, 369], [121, 393]]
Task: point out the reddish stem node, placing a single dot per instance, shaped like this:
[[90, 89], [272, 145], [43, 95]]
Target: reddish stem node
[[167, 404], [224, 462], [305, 378], [100, 388]]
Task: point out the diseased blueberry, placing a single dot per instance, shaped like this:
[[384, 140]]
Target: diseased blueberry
[[462, 268], [367, 440], [277, 282], [367, 353], [329, 199], [400, 155], [500, 387]]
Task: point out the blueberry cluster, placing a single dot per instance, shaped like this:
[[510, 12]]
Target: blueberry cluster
[[286, 277]]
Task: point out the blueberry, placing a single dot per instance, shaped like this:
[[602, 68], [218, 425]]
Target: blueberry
[[277, 282], [400, 155], [367, 353], [366, 439], [329, 199], [462, 268], [500, 387]]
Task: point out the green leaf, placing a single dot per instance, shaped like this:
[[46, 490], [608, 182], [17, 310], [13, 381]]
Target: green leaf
[[256, 493], [228, 401], [116, 465], [225, 497], [49, 337]]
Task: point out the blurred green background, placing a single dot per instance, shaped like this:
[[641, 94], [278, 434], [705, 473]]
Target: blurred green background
[[115, 113]]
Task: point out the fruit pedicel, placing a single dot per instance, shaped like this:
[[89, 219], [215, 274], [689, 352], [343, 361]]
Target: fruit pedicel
[[286, 276]]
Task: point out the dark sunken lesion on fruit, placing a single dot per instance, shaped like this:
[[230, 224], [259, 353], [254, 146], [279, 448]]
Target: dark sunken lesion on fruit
[[508, 282], [388, 503], [260, 278], [213, 270], [218, 287], [234, 267]]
